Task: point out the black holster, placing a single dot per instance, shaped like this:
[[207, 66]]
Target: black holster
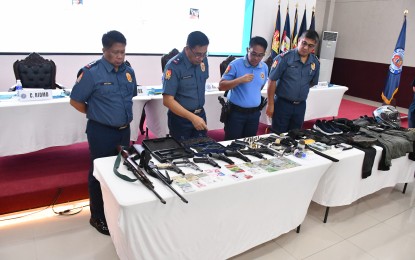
[[225, 109]]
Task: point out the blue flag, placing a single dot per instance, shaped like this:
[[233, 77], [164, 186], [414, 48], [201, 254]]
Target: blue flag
[[303, 26], [395, 68], [275, 47], [294, 38], [313, 21], [285, 40]]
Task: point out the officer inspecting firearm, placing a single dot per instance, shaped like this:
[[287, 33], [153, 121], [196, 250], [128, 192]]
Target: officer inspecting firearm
[[184, 81]]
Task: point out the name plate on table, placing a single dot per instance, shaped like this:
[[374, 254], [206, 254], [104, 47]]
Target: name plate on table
[[35, 94]]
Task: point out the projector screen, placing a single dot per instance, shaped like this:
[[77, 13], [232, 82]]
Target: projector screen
[[150, 26]]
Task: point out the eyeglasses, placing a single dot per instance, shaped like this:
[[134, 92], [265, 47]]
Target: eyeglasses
[[257, 55], [199, 54], [309, 45]]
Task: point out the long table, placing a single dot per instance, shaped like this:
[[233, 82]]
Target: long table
[[34, 125], [221, 220], [342, 184], [321, 102]]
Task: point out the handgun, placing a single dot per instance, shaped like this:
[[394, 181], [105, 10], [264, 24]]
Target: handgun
[[206, 160], [169, 166], [186, 162], [237, 154], [252, 152], [222, 157]]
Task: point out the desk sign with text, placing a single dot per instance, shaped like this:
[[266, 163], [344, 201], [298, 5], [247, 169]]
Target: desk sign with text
[[35, 94]]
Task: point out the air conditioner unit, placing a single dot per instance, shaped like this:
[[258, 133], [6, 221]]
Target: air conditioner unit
[[327, 51]]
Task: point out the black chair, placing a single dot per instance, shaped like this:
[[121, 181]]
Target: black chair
[[268, 61], [222, 68], [36, 72], [166, 57]]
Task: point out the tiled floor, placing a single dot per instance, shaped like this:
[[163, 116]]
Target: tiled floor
[[378, 226]]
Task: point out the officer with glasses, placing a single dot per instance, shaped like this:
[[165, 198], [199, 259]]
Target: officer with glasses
[[184, 80], [244, 78], [292, 74]]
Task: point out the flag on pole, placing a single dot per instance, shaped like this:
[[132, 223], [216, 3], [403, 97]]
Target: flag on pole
[[303, 26], [285, 40], [313, 21], [276, 37], [395, 67], [294, 37]]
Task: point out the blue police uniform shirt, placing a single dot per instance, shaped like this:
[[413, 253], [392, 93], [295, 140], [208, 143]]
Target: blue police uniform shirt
[[293, 77], [247, 95], [185, 81], [108, 93]]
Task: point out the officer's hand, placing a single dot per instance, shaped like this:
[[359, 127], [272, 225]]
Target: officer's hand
[[199, 123], [270, 110], [247, 78]]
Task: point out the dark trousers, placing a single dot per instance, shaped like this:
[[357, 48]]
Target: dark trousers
[[182, 129], [287, 116], [103, 142], [240, 124]]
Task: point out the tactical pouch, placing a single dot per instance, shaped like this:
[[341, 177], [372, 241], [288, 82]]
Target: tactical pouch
[[225, 109]]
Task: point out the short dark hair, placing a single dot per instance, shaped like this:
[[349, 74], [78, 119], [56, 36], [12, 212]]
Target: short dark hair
[[111, 37], [311, 34], [258, 40], [197, 38]]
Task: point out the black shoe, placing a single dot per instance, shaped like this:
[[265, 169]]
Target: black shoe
[[100, 225], [322, 128]]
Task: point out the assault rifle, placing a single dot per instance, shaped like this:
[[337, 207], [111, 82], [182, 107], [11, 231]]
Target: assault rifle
[[138, 173], [151, 169]]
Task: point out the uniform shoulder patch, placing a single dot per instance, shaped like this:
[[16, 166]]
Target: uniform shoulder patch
[[91, 64], [167, 75], [227, 69]]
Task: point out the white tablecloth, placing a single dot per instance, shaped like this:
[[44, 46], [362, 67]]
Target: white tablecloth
[[321, 102], [34, 125], [220, 220], [342, 184]]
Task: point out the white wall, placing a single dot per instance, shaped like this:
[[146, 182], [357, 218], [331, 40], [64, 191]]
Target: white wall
[[368, 29], [148, 68]]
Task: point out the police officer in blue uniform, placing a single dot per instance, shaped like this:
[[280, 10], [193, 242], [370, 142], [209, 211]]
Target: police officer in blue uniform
[[292, 74], [184, 82], [103, 91], [244, 78]]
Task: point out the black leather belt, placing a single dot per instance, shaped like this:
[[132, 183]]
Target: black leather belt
[[291, 101], [113, 127], [243, 109]]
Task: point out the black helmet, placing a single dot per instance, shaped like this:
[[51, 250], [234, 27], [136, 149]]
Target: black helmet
[[387, 116]]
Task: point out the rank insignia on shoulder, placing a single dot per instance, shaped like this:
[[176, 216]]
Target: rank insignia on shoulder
[[129, 78], [313, 66], [91, 64], [176, 61], [227, 69], [167, 75], [202, 66], [274, 65], [79, 77]]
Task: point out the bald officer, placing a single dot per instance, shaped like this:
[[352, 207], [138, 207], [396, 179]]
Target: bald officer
[[292, 74], [184, 82], [103, 91]]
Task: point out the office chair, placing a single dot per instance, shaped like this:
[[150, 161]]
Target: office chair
[[36, 72], [166, 57], [223, 66], [268, 61]]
